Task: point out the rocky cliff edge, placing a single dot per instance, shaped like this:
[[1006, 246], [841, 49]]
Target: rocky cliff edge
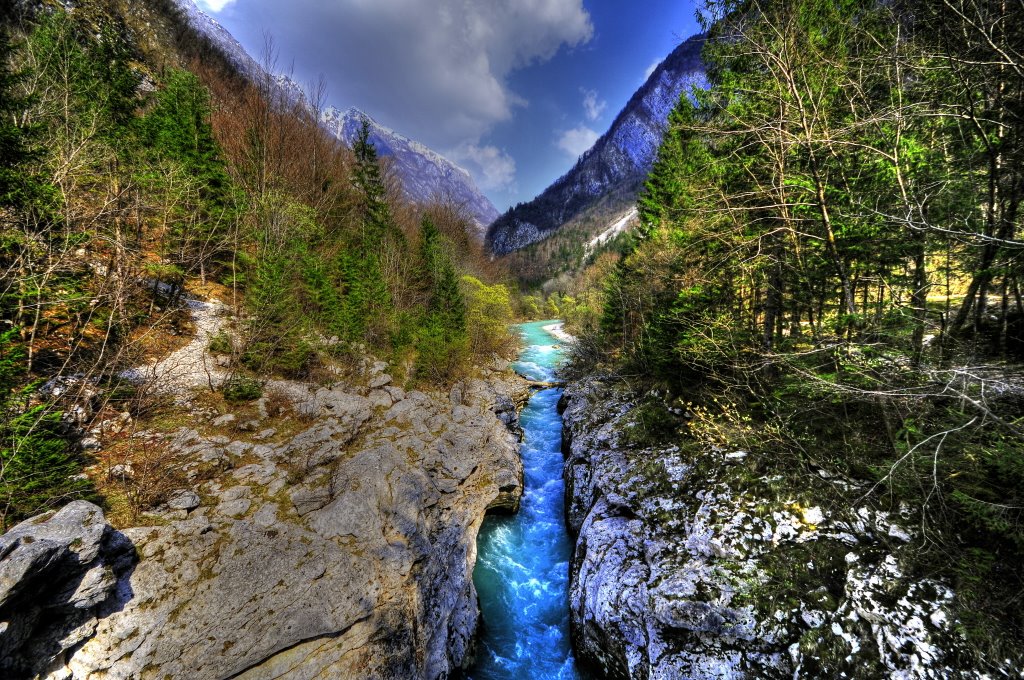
[[344, 551], [700, 565]]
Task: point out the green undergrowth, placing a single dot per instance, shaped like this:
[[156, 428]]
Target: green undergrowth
[[809, 447]]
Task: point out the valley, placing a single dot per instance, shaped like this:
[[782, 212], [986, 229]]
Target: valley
[[283, 394]]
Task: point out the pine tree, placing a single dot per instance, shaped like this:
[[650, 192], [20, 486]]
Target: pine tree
[[378, 223], [442, 340], [446, 299], [17, 186], [666, 192], [370, 304], [178, 128], [183, 163]]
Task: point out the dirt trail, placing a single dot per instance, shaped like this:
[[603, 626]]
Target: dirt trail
[[191, 366]]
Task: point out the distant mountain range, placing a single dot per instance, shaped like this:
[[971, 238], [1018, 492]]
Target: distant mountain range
[[425, 174], [612, 172]]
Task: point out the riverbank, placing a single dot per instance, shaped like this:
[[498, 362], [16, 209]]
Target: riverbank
[[558, 331], [337, 540], [700, 563]]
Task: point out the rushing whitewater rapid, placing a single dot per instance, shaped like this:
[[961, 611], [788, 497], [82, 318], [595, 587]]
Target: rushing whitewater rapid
[[522, 572]]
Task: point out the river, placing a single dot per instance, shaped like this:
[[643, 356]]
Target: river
[[522, 570]]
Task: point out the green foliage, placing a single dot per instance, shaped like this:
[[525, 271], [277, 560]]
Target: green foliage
[[17, 185], [240, 389], [39, 465], [276, 335], [182, 168], [441, 342], [440, 353], [442, 282], [651, 424], [221, 344], [177, 126], [378, 223], [799, 215], [488, 315]]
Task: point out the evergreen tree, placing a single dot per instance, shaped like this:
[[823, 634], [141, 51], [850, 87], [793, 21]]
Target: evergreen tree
[[442, 340], [446, 299], [39, 464], [369, 299], [184, 166], [17, 184], [378, 223], [178, 127], [666, 191]]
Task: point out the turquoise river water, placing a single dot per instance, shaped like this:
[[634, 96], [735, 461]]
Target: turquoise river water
[[522, 570]]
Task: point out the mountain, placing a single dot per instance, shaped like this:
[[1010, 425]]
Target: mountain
[[425, 174], [230, 49], [608, 176]]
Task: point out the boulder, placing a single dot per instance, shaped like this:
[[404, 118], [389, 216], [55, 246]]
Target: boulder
[[224, 420], [59, 575], [183, 500]]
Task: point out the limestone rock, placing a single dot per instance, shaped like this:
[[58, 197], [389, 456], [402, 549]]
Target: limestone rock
[[58, 575], [224, 420], [675, 572], [344, 552], [183, 500]]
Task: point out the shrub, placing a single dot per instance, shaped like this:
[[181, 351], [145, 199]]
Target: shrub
[[238, 389]]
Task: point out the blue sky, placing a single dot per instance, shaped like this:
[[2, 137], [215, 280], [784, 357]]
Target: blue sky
[[512, 90]]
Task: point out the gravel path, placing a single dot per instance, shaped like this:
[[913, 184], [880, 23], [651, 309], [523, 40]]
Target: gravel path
[[191, 366]]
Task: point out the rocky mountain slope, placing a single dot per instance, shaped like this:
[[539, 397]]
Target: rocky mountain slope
[[425, 174], [613, 170], [705, 566], [345, 550]]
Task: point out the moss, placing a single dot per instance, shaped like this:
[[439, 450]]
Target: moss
[[651, 424], [784, 580]]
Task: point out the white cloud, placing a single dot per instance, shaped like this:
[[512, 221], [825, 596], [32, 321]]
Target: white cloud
[[436, 70], [592, 106], [651, 69], [215, 5], [577, 140], [493, 168]]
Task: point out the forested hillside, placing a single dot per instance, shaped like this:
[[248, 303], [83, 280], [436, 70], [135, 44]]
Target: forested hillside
[[828, 274], [139, 173]]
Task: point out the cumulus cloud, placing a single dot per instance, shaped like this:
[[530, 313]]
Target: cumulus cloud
[[215, 5], [577, 140], [593, 106], [493, 168], [436, 70]]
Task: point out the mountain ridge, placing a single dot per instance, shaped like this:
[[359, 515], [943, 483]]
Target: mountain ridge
[[617, 163], [426, 175]]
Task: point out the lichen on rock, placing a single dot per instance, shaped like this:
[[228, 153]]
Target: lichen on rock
[[700, 564]]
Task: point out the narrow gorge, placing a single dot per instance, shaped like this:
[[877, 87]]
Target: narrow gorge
[[305, 375], [522, 572]]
